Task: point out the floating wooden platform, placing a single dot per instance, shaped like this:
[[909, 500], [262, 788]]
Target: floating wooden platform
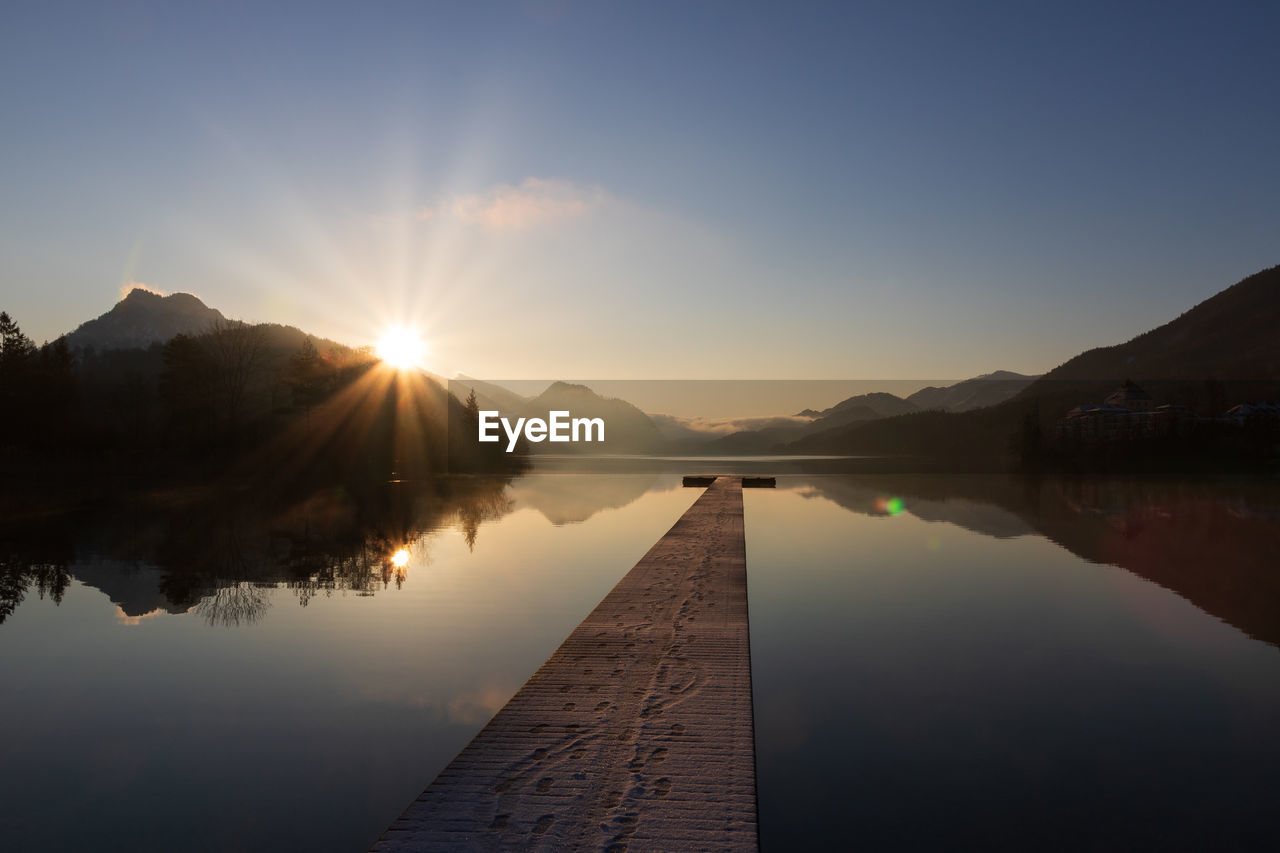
[[636, 733], [701, 481]]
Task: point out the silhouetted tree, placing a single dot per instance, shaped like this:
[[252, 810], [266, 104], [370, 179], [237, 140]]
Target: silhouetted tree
[[15, 347], [17, 354], [186, 390], [54, 394], [1028, 444], [237, 352], [307, 376]]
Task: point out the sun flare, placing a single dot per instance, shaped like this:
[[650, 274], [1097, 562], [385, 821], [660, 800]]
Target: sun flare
[[401, 348]]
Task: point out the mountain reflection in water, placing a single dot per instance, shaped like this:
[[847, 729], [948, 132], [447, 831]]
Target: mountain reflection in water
[[937, 646], [956, 662], [1212, 542]]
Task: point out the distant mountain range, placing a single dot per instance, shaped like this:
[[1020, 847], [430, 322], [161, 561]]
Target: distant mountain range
[[1231, 336], [144, 318], [986, 390], [877, 404], [632, 431], [979, 392], [1224, 350], [628, 430]]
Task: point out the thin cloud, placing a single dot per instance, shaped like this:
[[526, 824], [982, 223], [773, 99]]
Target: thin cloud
[[536, 201]]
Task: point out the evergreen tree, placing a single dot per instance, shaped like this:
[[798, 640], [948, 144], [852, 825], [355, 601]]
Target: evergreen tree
[[186, 390], [17, 381], [16, 349], [55, 394], [306, 377]]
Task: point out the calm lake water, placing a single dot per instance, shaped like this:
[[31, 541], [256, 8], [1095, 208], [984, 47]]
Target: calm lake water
[[938, 661]]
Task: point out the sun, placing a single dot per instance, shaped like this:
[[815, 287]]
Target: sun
[[401, 348]]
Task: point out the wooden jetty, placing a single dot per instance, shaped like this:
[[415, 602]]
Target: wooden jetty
[[701, 481], [637, 733]]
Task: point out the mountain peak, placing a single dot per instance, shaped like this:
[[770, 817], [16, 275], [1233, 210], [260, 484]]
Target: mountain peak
[[976, 393], [141, 294], [143, 318], [629, 429], [1006, 376], [568, 387]]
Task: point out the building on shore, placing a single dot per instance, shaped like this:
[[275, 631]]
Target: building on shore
[[1130, 423], [1254, 414], [1130, 398], [1126, 414]]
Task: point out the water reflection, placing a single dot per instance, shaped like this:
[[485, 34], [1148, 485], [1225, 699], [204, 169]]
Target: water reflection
[[21, 575], [1212, 542], [311, 727], [973, 672], [952, 652], [233, 605], [219, 554], [570, 498]]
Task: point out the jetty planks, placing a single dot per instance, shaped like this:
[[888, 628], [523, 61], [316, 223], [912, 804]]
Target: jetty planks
[[637, 733]]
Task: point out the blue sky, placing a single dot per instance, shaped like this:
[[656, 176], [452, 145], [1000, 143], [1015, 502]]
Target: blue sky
[[647, 190]]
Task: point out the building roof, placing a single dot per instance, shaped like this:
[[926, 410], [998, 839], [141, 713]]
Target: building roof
[[1097, 409], [1246, 410], [1129, 391]]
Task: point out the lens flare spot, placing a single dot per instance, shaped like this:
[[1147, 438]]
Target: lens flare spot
[[889, 506], [400, 558]]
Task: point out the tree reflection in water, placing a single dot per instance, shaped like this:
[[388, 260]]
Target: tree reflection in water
[[18, 576], [221, 553], [233, 605], [1213, 542]]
